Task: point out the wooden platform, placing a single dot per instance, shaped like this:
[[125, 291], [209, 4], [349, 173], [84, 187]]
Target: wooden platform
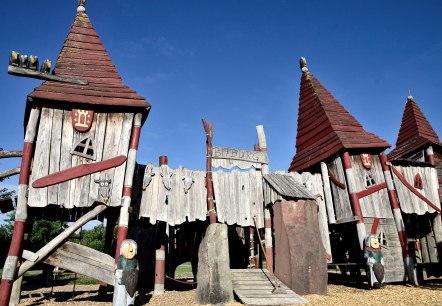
[[254, 287]]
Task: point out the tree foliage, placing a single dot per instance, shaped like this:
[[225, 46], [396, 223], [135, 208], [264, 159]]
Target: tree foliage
[[94, 238]]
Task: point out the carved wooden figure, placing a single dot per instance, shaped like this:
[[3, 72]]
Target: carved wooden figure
[[375, 262], [126, 274]]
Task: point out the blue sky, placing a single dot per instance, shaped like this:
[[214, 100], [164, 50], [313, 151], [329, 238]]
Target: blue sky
[[235, 63]]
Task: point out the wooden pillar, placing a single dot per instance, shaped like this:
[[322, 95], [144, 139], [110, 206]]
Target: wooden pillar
[[123, 222], [403, 239], [354, 199], [252, 259], [268, 234], [21, 213], [109, 235], [160, 253], [208, 128], [327, 194]]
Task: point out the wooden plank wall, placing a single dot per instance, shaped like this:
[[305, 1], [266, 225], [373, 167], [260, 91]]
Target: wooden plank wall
[[55, 140], [341, 199], [392, 251], [239, 197], [409, 202], [180, 206], [376, 204], [438, 160]]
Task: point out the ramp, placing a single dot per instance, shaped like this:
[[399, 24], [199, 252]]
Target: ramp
[[254, 287], [83, 260]]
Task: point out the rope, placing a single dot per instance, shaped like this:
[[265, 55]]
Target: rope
[[180, 281]]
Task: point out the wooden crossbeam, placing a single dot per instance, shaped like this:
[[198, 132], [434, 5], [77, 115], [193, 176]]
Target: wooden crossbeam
[[24, 72]]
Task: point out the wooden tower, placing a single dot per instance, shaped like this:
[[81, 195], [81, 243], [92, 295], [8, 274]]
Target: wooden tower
[[358, 195], [82, 131], [417, 168]]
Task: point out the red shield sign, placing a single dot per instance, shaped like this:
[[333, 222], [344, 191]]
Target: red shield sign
[[366, 160], [82, 119]]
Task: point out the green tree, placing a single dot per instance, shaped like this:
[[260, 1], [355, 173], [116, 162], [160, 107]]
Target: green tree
[[94, 238]]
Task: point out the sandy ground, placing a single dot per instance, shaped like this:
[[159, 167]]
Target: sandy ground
[[429, 293]]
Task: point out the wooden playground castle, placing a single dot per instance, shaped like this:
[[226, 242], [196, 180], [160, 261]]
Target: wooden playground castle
[[83, 127]]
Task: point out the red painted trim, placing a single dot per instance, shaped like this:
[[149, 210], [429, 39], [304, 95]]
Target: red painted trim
[[127, 191], [135, 137], [440, 181], [17, 238], [431, 159], [25, 167], [5, 292], [346, 161], [383, 158], [375, 225], [163, 160], [269, 259], [78, 171], [354, 200], [413, 190], [121, 235], [403, 240], [371, 190], [160, 266], [335, 180], [267, 223]]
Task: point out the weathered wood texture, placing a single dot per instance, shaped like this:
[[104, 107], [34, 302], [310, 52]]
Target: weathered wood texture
[[438, 160], [341, 199], [229, 158], [83, 260], [409, 202], [180, 206], [299, 253], [56, 138], [10, 153], [254, 287], [239, 197], [377, 204], [395, 270]]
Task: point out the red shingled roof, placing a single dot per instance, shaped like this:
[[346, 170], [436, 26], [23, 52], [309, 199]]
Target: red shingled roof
[[325, 127], [84, 57], [415, 132]]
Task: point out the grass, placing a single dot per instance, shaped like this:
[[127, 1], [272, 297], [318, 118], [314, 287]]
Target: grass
[[184, 270]]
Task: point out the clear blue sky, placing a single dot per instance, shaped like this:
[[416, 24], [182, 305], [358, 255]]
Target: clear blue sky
[[235, 63]]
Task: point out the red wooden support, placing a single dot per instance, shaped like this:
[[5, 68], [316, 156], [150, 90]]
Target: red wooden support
[[160, 253], [430, 155], [403, 239], [16, 247], [209, 181], [354, 199]]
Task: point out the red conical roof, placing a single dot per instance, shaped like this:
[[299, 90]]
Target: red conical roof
[[84, 57], [325, 127], [415, 132]]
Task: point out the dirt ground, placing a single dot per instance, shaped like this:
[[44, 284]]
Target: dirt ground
[[429, 293]]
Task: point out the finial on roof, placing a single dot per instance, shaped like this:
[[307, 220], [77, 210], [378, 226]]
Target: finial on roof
[[81, 6], [303, 64], [410, 97]]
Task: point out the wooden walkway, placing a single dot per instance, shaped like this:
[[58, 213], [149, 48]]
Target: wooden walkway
[[254, 287]]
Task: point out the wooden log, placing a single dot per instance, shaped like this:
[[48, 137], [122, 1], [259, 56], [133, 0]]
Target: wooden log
[[23, 72], [54, 243], [10, 172], [209, 182], [327, 194], [10, 153]]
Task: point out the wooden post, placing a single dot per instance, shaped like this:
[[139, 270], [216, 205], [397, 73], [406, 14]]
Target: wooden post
[[123, 221], [21, 214], [160, 253], [252, 259], [403, 239], [209, 181], [327, 194], [354, 199], [268, 235], [110, 226]]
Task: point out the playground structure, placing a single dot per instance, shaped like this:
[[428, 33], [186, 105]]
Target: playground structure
[[79, 163]]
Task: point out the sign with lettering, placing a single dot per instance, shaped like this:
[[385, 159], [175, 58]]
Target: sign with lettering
[[242, 155]]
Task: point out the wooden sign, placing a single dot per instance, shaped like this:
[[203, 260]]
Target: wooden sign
[[366, 160], [242, 155], [82, 119]]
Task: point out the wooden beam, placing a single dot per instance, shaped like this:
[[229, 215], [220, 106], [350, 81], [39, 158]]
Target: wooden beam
[[10, 153], [78, 171], [347, 219], [54, 243], [9, 172], [28, 73]]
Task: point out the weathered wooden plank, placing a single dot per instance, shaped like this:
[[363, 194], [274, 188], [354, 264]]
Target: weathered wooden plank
[[83, 260], [100, 130], [66, 158], [40, 166], [55, 152], [341, 199]]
